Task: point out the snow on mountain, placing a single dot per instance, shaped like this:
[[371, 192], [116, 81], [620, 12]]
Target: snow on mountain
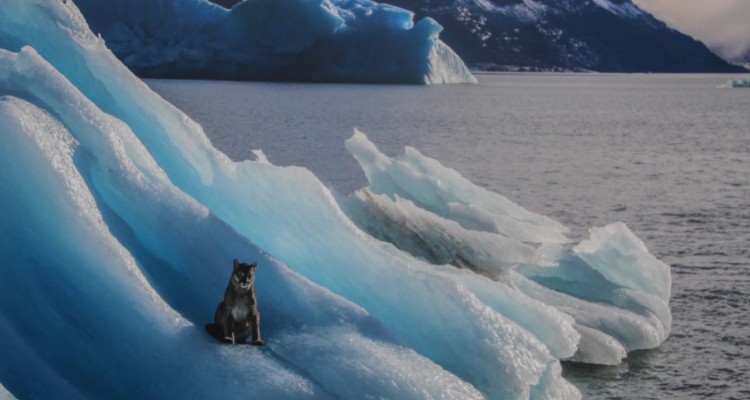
[[625, 9], [119, 222], [742, 59], [528, 10], [290, 40], [599, 35]]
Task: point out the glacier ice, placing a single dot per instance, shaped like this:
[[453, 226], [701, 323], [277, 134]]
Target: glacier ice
[[119, 221], [104, 192], [736, 83], [616, 292], [444, 192], [299, 40]]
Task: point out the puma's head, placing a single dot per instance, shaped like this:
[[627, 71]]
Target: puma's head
[[243, 275]]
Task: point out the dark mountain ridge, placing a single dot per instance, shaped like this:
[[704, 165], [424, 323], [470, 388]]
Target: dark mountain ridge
[[571, 35]]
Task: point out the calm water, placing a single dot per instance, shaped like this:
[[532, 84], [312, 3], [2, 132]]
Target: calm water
[[667, 154]]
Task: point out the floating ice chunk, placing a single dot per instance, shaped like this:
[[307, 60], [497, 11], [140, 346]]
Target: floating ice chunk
[[600, 283], [736, 83], [300, 40]]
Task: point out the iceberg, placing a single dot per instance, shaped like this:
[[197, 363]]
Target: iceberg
[[736, 83], [119, 221], [614, 291], [289, 40]]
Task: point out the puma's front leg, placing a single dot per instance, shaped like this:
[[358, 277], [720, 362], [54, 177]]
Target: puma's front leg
[[225, 321], [255, 323]]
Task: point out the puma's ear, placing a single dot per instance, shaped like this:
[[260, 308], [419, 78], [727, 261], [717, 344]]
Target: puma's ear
[[236, 264], [254, 264]]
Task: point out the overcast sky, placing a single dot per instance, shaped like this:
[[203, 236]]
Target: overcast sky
[[718, 23]]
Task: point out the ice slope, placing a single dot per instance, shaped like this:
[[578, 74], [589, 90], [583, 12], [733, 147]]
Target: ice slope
[[119, 220], [80, 303], [299, 40]]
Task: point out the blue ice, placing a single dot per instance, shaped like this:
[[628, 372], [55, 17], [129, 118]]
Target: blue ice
[[119, 222], [736, 83], [299, 40]]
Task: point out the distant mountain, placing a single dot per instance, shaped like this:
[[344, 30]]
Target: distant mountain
[[598, 35]]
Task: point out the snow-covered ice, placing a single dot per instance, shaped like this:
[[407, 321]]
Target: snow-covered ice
[[119, 221]]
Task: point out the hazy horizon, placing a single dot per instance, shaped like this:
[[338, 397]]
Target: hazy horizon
[[720, 24]]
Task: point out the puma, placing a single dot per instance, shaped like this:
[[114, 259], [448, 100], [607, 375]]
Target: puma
[[237, 317]]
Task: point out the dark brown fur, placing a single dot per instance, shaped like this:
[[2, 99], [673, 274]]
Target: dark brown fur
[[237, 317]]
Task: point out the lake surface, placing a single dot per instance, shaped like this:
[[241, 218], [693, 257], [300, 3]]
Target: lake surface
[[669, 155]]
